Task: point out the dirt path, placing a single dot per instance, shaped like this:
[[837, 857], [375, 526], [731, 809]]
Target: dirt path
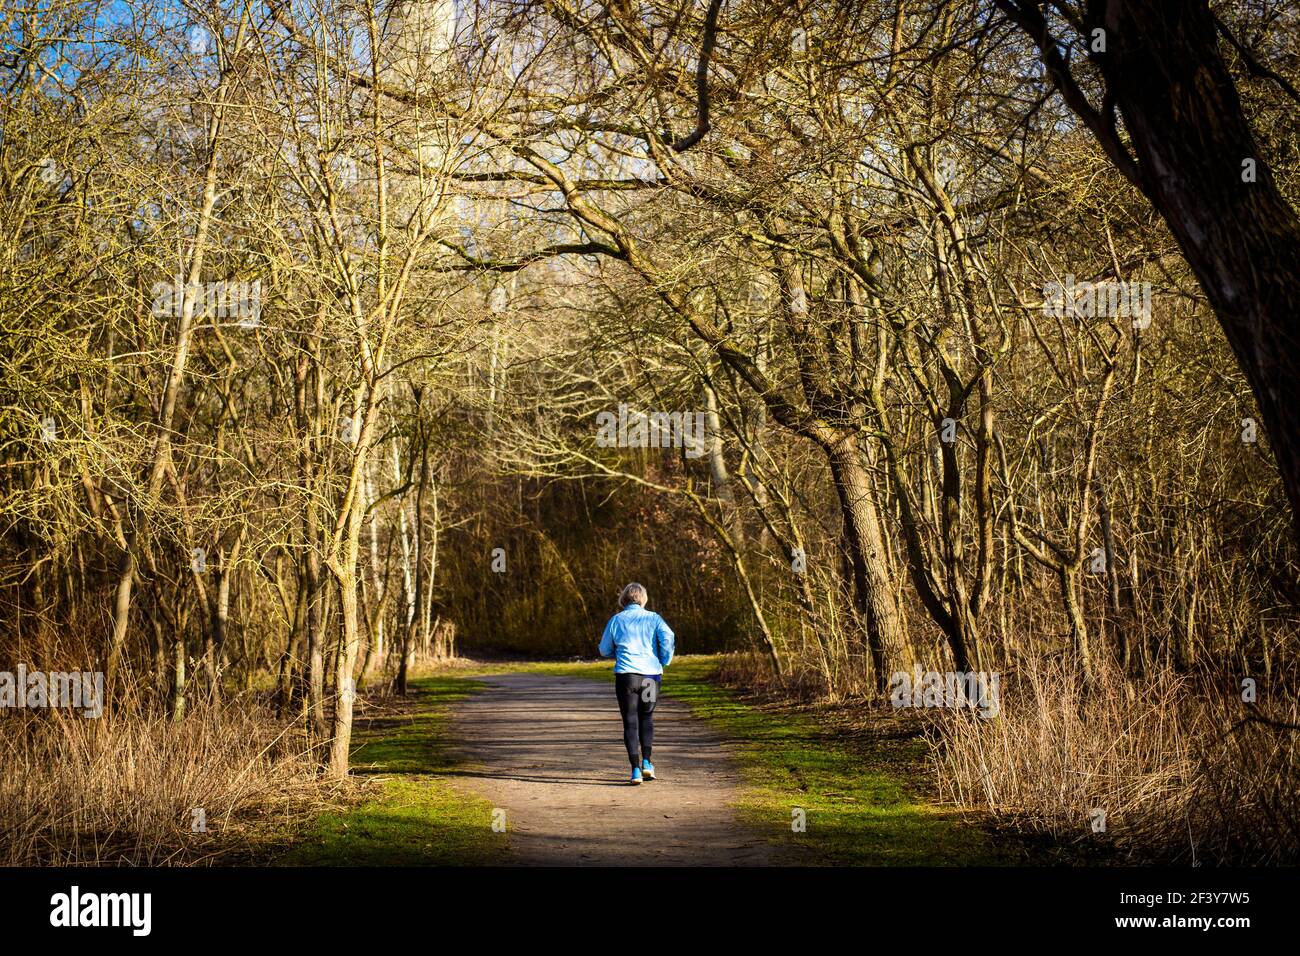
[[549, 751]]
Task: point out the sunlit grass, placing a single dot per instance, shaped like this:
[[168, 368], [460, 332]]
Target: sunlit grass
[[419, 816]]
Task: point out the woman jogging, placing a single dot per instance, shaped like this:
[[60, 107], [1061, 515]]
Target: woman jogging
[[642, 646]]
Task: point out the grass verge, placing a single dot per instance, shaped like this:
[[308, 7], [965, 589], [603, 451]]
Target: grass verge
[[412, 814]]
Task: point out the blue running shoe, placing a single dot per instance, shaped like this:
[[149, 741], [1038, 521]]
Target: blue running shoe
[[647, 769], [636, 775]]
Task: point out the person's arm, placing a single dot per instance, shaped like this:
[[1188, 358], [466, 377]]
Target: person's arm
[[607, 640], [664, 642]]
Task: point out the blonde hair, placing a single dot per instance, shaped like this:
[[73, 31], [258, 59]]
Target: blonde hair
[[633, 594]]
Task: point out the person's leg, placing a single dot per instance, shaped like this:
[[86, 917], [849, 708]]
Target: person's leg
[[646, 700], [628, 688]]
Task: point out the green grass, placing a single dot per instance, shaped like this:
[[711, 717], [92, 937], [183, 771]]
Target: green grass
[[418, 817], [858, 808]]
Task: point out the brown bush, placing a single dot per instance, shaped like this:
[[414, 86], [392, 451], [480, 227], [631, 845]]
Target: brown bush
[[1180, 776], [122, 789]]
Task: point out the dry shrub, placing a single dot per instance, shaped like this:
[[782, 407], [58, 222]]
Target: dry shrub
[[121, 789], [827, 665], [1181, 775]]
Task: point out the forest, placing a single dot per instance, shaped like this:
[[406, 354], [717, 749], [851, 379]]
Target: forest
[[931, 362]]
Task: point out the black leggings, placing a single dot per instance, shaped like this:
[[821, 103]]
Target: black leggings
[[637, 694]]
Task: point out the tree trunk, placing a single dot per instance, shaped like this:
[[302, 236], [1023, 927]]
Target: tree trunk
[[315, 639], [121, 614], [873, 594], [306, 408], [1112, 577], [403, 641], [378, 583], [345, 660], [220, 620], [718, 468], [178, 672], [1078, 625]]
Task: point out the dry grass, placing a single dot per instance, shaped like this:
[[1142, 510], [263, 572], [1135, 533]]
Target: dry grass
[[121, 789], [1180, 775], [808, 678]]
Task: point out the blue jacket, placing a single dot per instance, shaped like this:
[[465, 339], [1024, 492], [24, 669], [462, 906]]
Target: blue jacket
[[638, 640]]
